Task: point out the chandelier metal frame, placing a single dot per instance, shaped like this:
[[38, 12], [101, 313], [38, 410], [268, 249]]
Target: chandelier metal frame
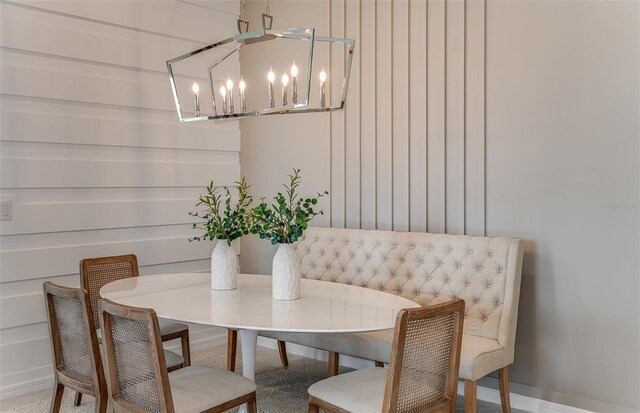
[[262, 35]]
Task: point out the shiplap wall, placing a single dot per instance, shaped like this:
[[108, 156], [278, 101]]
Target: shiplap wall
[[92, 154], [408, 152]]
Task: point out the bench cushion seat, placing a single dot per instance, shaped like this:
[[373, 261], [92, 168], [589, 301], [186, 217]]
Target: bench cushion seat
[[479, 355]]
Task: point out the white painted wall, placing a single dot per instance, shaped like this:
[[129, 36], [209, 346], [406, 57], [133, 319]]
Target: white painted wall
[[93, 156], [560, 152]]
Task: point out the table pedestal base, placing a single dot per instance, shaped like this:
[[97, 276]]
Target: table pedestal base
[[248, 343]]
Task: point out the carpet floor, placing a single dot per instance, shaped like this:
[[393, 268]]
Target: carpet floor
[[280, 390]]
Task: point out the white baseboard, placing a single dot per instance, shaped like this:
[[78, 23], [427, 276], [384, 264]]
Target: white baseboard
[[488, 394]]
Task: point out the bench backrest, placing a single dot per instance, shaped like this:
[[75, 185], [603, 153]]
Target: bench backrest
[[426, 268]]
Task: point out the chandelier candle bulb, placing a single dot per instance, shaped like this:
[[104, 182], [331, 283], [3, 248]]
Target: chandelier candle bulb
[[294, 83], [243, 102], [223, 93], [323, 78], [271, 77], [285, 82], [196, 98], [230, 99]]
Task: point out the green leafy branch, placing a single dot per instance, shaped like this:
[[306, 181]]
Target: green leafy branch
[[223, 222], [285, 220]]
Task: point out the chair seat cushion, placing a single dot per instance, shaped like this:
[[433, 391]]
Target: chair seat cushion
[[479, 355], [171, 327], [199, 388], [173, 359], [360, 391]]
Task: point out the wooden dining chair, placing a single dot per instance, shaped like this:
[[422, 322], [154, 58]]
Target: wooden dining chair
[[422, 374], [97, 272], [138, 378], [76, 354]]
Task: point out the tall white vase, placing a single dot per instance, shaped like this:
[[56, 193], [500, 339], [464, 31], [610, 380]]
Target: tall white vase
[[286, 274], [224, 267]]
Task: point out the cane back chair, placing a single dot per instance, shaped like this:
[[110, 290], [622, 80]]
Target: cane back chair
[[422, 374], [139, 381], [76, 354]]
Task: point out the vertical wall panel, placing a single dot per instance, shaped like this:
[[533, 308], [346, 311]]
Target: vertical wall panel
[[352, 119], [400, 111], [474, 118], [454, 172], [384, 119], [409, 154], [417, 115], [368, 130], [337, 118], [436, 80]]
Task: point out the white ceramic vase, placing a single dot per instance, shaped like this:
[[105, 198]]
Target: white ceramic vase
[[224, 267], [286, 274]]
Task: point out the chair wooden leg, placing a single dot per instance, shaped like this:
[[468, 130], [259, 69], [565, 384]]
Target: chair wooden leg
[[313, 408], [56, 399], [470, 396], [282, 349], [252, 407], [232, 347], [504, 389], [379, 363], [78, 399], [334, 363], [186, 350], [101, 404]]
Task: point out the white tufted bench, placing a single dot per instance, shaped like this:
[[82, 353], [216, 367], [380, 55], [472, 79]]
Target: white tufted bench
[[427, 268]]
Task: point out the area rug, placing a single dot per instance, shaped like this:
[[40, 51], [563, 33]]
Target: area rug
[[279, 391]]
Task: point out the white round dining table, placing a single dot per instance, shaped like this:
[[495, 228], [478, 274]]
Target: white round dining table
[[324, 307]]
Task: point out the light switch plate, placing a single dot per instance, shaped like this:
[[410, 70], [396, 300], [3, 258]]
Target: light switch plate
[[6, 210]]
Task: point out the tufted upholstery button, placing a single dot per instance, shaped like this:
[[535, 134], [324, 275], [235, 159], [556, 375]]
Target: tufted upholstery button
[[459, 266], [379, 244], [437, 295], [393, 276], [431, 249], [448, 280], [399, 291], [489, 285], [337, 255], [450, 249], [465, 316], [491, 254], [500, 270], [347, 242], [477, 301], [439, 264], [375, 273], [395, 245], [386, 259], [470, 251], [411, 277], [413, 247], [428, 278], [468, 284], [381, 288], [479, 267], [484, 318], [314, 267], [359, 271], [421, 261], [402, 260]]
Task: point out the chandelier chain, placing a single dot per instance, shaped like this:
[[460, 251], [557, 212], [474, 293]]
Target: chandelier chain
[[268, 11]]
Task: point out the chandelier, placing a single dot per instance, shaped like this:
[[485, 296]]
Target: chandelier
[[300, 89]]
